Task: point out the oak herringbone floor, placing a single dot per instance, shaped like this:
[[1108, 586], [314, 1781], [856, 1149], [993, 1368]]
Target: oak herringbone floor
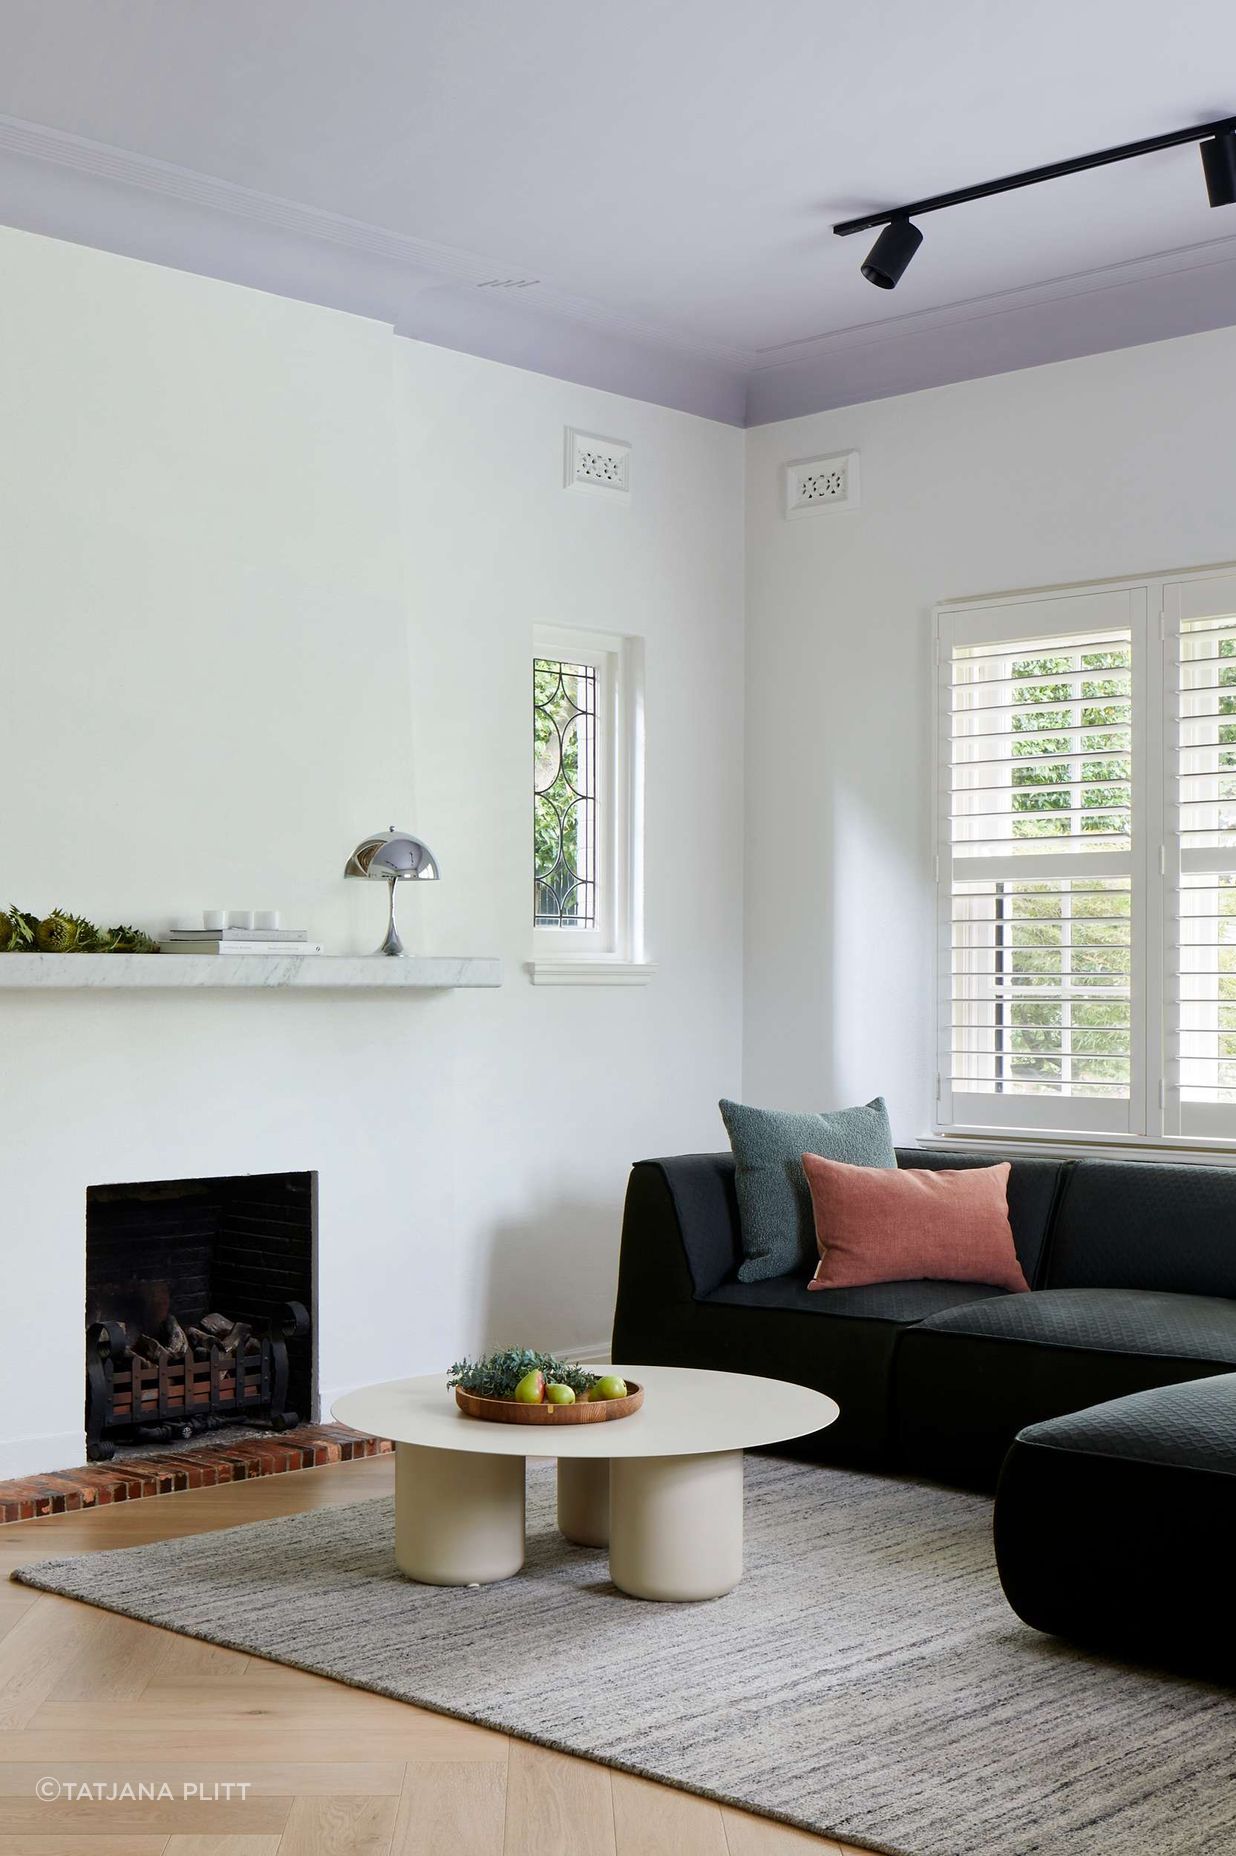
[[89, 1698]]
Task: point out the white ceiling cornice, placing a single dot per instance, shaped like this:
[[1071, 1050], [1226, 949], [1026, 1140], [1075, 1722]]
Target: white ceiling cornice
[[1218, 251], [1094, 312], [99, 161]]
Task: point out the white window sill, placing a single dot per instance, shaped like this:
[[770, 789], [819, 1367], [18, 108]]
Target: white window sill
[[1086, 1147], [581, 970]]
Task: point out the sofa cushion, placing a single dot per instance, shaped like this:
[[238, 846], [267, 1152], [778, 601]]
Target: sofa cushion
[[1191, 1426], [877, 1301], [969, 1379], [1180, 1327], [1133, 1225], [1113, 1526], [778, 1230], [880, 1224]]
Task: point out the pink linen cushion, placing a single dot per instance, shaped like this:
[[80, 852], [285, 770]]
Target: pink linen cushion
[[896, 1224]]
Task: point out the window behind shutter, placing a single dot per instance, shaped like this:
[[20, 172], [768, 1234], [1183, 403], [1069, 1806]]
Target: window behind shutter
[[1040, 1024]]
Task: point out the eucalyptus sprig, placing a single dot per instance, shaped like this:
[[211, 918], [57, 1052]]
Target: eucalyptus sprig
[[17, 928], [498, 1374], [125, 940]]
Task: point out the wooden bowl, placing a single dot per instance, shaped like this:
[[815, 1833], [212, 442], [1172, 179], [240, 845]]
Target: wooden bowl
[[583, 1411]]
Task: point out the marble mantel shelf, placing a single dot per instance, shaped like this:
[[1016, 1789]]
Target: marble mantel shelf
[[316, 972]]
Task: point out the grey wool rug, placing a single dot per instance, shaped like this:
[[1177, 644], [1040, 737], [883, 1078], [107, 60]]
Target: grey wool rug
[[866, 1680]]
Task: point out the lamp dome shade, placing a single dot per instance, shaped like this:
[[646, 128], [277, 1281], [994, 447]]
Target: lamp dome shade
[[393, 856]]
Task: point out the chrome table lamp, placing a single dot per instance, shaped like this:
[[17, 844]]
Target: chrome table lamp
[[393, 857]]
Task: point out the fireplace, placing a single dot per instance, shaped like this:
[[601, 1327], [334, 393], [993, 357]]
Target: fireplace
[[199, 1300]]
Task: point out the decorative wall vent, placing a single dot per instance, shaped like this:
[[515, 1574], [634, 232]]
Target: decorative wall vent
[[812, 484], [508, 283], [601, 464]]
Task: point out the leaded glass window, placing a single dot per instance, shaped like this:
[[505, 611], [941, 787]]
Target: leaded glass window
[[565, 758]]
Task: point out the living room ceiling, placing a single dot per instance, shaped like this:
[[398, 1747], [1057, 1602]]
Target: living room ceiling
[[641, 197]]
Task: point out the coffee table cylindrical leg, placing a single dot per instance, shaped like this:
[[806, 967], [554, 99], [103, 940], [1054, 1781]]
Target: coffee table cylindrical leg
[[583, 1500], [459, 1515], [675, 1529]]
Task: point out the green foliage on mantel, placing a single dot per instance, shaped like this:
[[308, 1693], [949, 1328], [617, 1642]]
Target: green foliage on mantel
[[61, 933], [17, 930]]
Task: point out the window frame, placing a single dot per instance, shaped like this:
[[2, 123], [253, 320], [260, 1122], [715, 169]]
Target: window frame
[[613, 951], [1156, 607], [1207, 593]]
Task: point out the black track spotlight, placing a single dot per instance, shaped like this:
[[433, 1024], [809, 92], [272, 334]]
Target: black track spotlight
[[900, 238], [892, 251], [1219, 167]]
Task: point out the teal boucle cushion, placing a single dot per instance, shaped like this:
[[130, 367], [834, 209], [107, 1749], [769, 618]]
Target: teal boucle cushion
[[774, 1205]]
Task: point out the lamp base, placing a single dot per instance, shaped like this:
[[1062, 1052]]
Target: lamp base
[[392, 944]]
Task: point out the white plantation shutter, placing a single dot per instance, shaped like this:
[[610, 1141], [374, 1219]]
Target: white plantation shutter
[[1200, 867], [1041, 846]]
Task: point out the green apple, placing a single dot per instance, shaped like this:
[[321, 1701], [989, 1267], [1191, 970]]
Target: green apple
[[560, 1395], [609, 1386], [531, 1389]]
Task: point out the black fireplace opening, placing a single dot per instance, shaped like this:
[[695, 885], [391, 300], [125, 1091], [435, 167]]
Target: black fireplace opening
[[199, 1307]]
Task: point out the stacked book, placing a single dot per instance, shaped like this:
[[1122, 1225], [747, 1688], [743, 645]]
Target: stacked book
[[239, 941]]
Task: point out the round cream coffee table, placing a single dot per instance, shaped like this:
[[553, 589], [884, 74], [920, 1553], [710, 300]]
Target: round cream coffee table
[[661, 1489]]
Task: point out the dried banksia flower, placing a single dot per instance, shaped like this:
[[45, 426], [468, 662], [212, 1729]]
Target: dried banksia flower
[[61, 933]]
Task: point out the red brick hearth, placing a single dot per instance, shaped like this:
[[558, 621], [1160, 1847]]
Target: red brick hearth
[[129, 1479]]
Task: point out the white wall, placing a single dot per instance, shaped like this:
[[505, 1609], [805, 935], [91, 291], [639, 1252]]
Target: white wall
[[1117, 464], [269, 579]]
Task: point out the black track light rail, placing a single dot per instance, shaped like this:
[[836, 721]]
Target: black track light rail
[[1030, 177]]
